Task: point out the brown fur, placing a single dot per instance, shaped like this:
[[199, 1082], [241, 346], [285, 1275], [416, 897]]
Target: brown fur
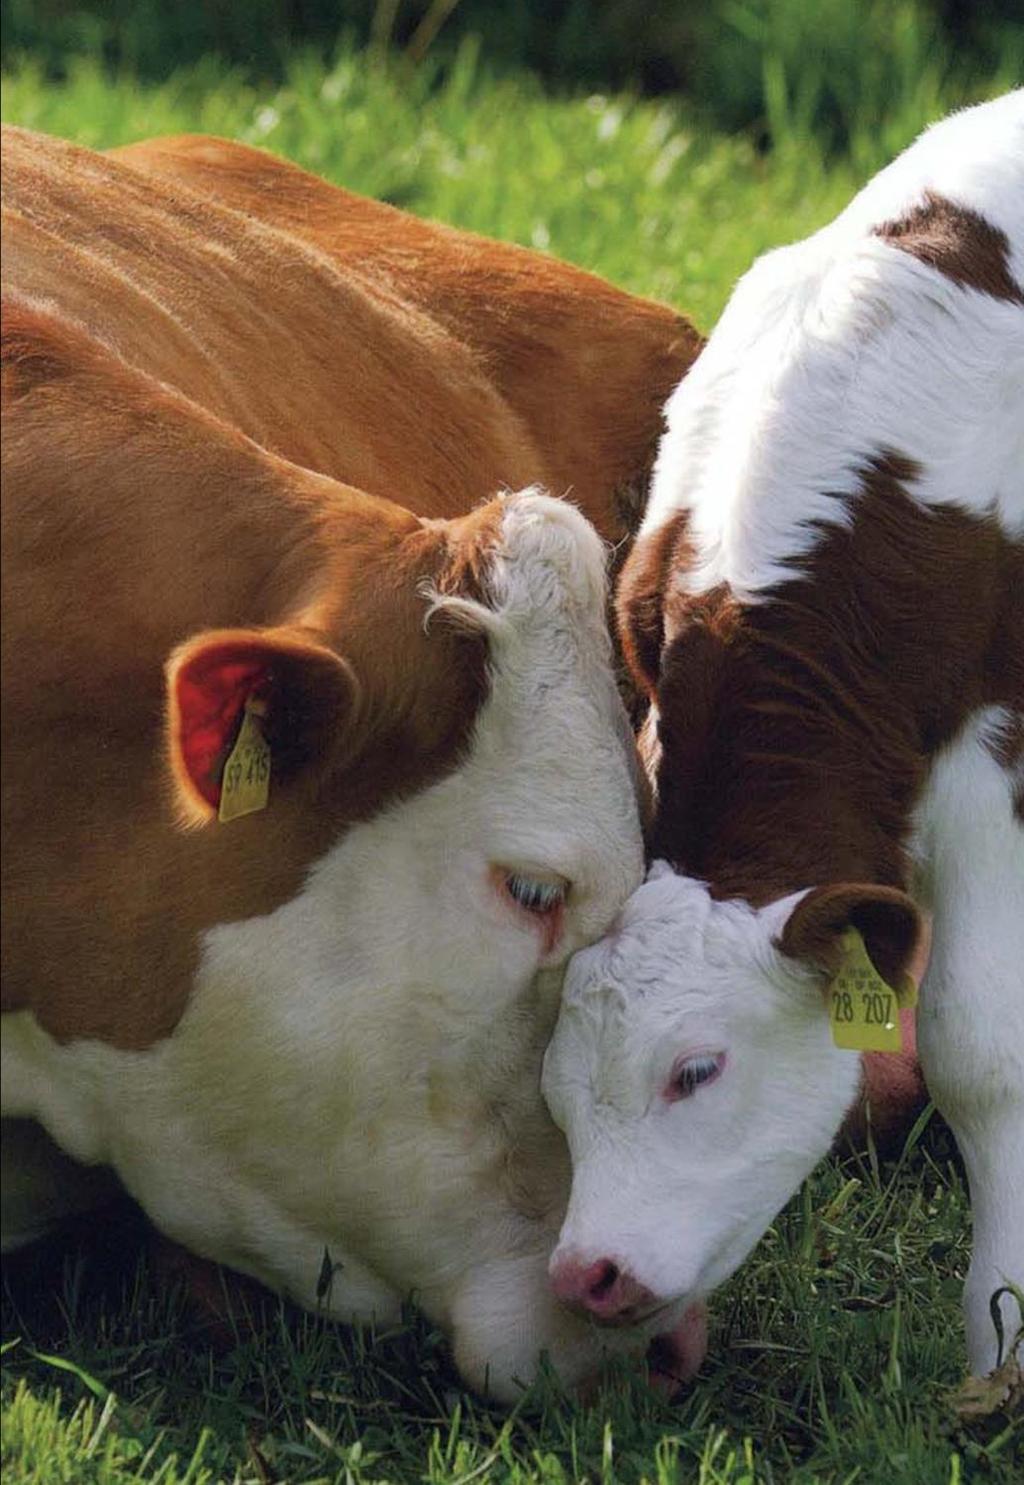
[[887, 919], [643, 593], [584, 368], [216, 421], [794, 735], [105, 582], [958, 243]]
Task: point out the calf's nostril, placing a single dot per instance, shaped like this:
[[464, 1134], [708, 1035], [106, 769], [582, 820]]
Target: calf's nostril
[[600, 1278]]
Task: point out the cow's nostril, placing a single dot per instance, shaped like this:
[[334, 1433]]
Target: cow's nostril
[[602, 1277]]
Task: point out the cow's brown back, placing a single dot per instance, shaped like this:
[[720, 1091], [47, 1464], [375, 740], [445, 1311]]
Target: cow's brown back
[[427, 366], [584, 368]]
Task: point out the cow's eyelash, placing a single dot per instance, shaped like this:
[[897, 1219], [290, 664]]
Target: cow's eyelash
[[693, 1073], [534, 895]]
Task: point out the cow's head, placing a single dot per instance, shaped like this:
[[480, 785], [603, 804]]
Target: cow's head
[[694, 1074], [435, 696], [444, 706]]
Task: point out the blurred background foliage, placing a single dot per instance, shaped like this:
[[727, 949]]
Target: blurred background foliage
[[777, 68]]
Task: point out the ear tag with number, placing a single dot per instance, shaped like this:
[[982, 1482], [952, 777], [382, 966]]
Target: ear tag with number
[[245, 782], [863, 1009]]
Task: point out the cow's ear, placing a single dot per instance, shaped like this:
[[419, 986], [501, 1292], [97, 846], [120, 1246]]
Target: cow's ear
[[641, 597], [302, 694], [887, 920]]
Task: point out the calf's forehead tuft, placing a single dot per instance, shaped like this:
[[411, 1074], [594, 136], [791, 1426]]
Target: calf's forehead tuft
[[674, 940]]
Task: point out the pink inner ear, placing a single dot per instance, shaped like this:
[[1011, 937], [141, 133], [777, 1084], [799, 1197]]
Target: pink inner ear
[[212, 689]]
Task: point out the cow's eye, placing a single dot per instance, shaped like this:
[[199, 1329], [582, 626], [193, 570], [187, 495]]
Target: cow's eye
[[692, 1073], [540, 895]]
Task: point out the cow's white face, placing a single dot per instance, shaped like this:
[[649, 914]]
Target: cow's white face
[[693, 1072], [357, 1071]]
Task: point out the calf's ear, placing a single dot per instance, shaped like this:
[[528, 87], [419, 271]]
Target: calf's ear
[[304, 694], [887, 920], [642, 593]]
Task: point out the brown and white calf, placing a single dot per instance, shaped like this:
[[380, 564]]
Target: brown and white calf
[[827, 605], [247, 422]]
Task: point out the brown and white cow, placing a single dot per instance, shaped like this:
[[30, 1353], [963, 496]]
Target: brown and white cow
[[827, 605], [247, 422]]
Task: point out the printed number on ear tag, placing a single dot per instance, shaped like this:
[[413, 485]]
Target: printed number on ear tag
[[245, 782], [864, 1010]]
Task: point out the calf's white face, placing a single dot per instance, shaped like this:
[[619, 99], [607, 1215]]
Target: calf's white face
[[693, 1073]]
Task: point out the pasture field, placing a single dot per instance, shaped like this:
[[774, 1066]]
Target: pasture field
[[834, 1350]]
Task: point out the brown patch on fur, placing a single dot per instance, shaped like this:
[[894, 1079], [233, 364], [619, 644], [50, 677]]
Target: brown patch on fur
[[470, 554], [958, 243], [200, 259], [795, 734], [887, 919], [581, 368], [630, 499], [106, 898], [28, 354]]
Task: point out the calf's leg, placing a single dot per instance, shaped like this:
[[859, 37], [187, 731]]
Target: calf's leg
[[971, 1015]]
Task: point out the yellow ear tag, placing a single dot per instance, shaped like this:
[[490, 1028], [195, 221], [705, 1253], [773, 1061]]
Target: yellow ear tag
[[245, 782], [863, 1009]]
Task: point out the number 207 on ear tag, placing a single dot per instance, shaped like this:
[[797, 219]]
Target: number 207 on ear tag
[[245, 782], [863, 1009]]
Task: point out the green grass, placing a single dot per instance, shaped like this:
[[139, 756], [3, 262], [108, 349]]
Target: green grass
[[832, 1349], [831, 1355]]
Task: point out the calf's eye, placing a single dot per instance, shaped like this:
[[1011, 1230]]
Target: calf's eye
[[538, 895], [691, 1073]]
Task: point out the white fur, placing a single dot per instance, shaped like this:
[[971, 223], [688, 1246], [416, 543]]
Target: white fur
[[970, 1026], [840, 347], [358, 1070]]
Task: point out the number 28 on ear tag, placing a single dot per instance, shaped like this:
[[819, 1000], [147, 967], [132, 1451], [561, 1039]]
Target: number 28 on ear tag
[[863, 1009], [245, 782]]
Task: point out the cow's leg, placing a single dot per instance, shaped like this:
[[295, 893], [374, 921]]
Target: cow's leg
[[971, 1017]]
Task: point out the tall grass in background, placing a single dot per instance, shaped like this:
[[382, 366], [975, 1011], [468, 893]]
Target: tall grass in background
[[853, 78], [825, 69]]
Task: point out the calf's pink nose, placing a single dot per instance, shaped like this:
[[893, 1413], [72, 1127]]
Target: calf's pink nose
[[601, 1288]]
